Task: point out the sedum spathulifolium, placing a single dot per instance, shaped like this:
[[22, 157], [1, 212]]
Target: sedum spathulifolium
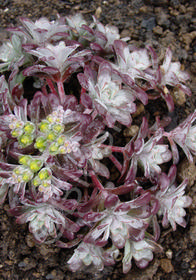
[[60, 167]]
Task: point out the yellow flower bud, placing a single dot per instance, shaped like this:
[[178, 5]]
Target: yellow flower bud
[[58, 128], [50, 118], [18, 170], [62, 150], [53, 149], [36, 181], [44, 173], [51, 136], [44, 126], [16, 132], [35, 165], [29, 128], [25, 140], [27, 175], [46, 183], [25, 160], [61, 139], [19, 124], [40, 143]]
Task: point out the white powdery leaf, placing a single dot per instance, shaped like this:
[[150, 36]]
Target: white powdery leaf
[[76, 21], [141, 251], [11, 54], [151, 159], [42, 30], [138, 59], [171, 71], [172, 204], [110, 97], [55, 56], [85, 255]]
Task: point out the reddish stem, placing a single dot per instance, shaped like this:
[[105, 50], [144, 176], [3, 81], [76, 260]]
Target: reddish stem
[[61, 91], [44, 90], [51, 86], [96, 181], [113, 148], [116, 162]]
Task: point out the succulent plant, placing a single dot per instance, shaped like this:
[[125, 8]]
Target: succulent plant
[[58, 148]]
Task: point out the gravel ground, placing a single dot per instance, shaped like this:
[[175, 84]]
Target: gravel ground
[[160, 23]]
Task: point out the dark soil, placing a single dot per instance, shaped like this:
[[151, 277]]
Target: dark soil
[[160, 23]]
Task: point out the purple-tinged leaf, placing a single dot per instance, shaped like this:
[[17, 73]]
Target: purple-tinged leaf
[[69, 244], [86, 100], [3, 191], [111, 200], [94, 216]]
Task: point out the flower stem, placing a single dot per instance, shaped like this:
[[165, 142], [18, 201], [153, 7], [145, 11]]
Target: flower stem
[[44, 90], [51, 86], [61, 91], [96, 181], [113, 148], [116, 162]]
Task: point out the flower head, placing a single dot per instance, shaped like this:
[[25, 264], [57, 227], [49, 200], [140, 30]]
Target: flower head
[[184, 135], [110, 99], [43, 218], [140, 251], [172, 200], [40, 31]]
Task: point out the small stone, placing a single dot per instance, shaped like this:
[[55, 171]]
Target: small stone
[[174, 3], [131, 131], [98, 12], [182, 9], [191, 10], [174, 12], [105, 3], [9, 262], [188, 38], [125, 33], [55, 274], [169, 39], [27, 264], [162, 20], [169, 254], [158, 30], [46, 251], [178, 96], [140, 109], [137, 4], [143, 9], [30, 240], [157, 10], [11, 255], [193, 264], [148, 24], [37, 275], [166, 265]]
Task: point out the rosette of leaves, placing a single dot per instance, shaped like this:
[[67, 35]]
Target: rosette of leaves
[[58, 148]]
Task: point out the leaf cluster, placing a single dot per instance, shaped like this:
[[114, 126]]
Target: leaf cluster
[[58, 152]]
